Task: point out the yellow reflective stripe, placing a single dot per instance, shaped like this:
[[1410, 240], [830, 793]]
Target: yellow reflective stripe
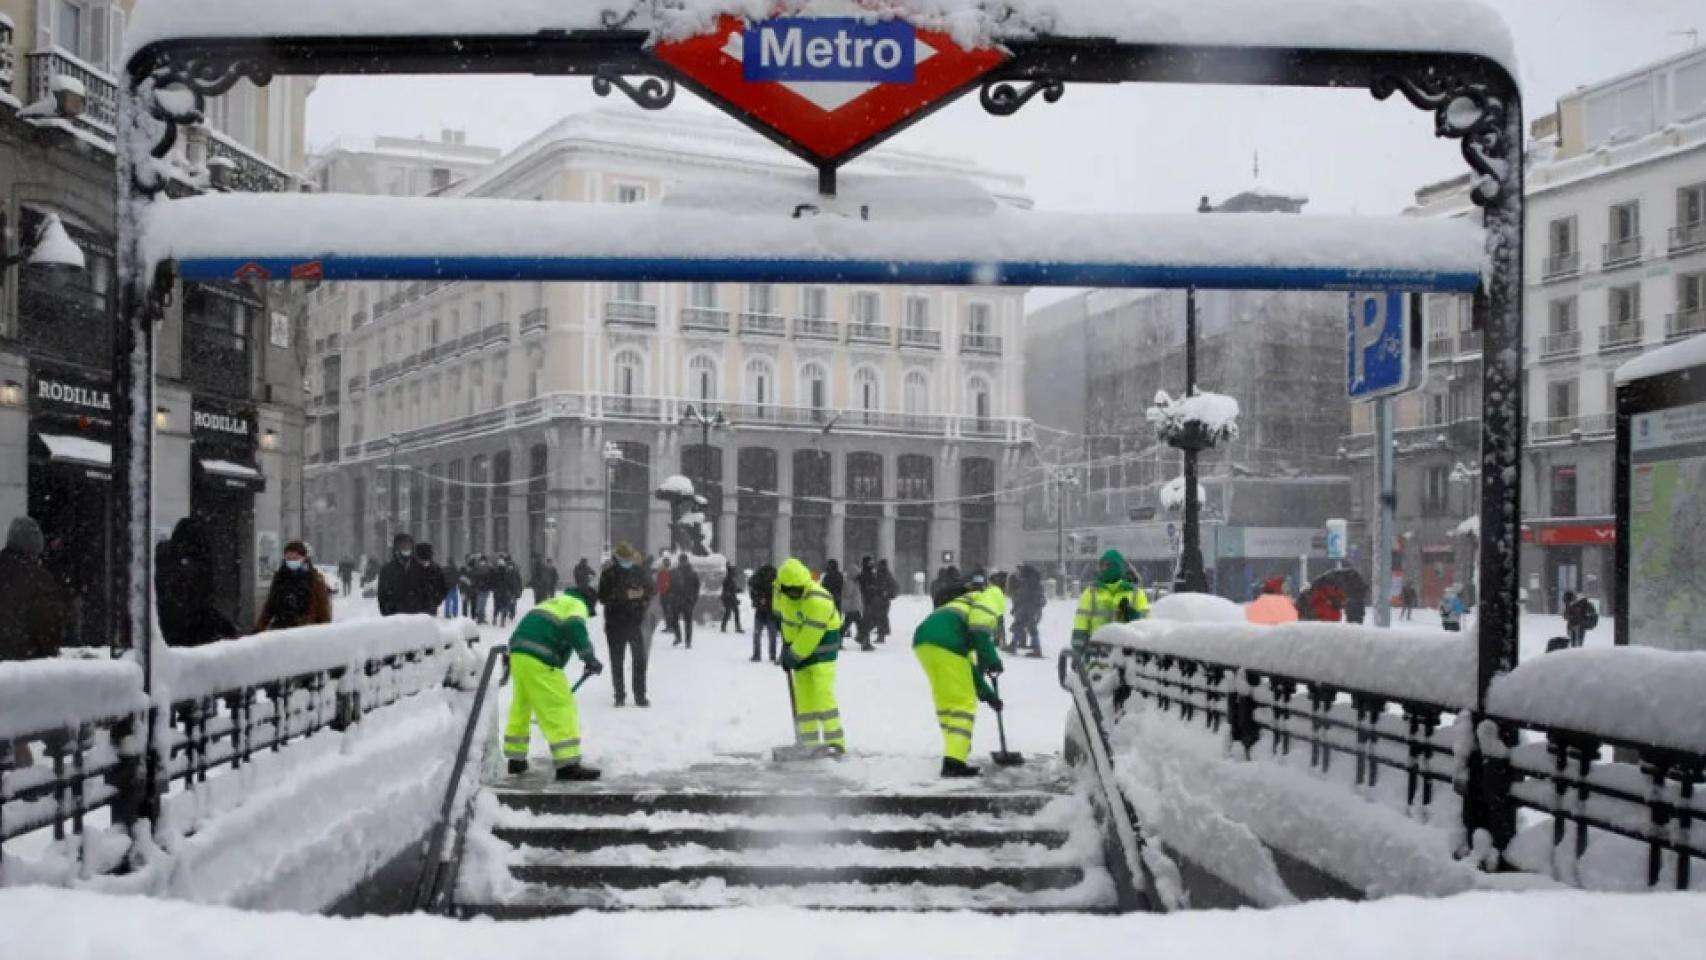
[[819, 624], [956, 731], [956, 715], [822, 715]]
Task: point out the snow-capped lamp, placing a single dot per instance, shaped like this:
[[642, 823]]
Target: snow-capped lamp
[[50, 249], [1197, 422]]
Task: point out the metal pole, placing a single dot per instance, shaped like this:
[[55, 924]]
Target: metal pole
[[1059, 535], [1385, 517], [1192, 577]]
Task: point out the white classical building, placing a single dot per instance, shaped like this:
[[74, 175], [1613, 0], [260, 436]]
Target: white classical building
[[1616, 266], [877, 421]]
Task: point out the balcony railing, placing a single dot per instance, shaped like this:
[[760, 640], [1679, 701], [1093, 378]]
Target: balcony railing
[[535, 321], [763, 324], [621, 407], [356, 384], [921, 337], [1439, 349], [1688, 236], [249, 172], [1558, 428], [980, 343], [1621, 336], [868, 333], [1621, 253], [1469, 341], [6, 55], [101, 108], [494, 334], [1565, 264], [358, 319], [1566, 344], [1685, 323], [816, 328], [705, 319], [630, 313]]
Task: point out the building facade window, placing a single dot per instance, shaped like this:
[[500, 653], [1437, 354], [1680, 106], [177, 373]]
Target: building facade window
[[1561, 316], [1563, 491], [702, 296], [979, 399], [977, 511], [917, 314], [1561, 237], [760, 386], [867, 308], [1624, 303], [760, 298], [702, 377], [1561, 399], [814, 303], [630, 291], [867, 389], [630, 193], [755, 528], [814, 387], [629, 374], [917, 392]]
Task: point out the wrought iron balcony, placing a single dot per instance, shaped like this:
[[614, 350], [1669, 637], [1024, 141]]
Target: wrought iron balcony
[[1685, 323], [705, 319], [816, 328], [1439, 349], [1556, 345], [7, 55], [100, 110], [247, 171], [535, 321], [1621, 336], [1566, 264], [630, 313], [868, 333], [358, 319], [495, 334], [63, 318], [763, 325], [980, 343], [1621, 253], [356, 384], [1559, 428], [622, 407], [921, 337], [1688, 236]]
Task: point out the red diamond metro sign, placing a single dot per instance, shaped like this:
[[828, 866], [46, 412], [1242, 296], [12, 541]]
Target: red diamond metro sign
[[827, 87]]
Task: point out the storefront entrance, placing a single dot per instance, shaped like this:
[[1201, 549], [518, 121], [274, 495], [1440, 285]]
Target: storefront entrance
[[70, 476], [226, 479]]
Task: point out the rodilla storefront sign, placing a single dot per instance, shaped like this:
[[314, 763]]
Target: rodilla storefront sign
[[830, 50]]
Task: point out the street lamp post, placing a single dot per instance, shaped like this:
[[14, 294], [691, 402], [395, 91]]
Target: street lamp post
[[1062, 478], [1192, 577], [691, 415], [612, 455], [392, 494]]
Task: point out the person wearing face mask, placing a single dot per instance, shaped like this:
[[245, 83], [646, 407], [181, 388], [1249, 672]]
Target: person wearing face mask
[[625, 590], [298, 596], [402, 583]]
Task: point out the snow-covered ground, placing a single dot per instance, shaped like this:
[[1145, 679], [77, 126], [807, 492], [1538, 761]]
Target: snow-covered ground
[[59, 925]]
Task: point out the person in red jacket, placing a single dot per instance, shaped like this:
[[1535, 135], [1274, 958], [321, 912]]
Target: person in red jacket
[[1322, 601]]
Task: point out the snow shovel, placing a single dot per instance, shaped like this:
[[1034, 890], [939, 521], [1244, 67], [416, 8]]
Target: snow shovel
[[793, 752], [588, 675], [1002, 757]]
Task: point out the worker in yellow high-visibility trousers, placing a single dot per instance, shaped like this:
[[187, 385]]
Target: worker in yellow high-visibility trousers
[[811, 641], [538, 650], [956, 647]]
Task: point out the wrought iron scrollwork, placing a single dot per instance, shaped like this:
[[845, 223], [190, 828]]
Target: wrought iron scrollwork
[[173, 92], [1464, 111], [651, 93], [1003, 99]]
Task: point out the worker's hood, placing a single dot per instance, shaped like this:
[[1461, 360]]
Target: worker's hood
[[793, 574], [1113, 567]]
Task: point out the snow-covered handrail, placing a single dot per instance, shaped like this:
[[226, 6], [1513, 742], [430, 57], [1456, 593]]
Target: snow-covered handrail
[[1433, 668], [285, 236], [1636, 695]]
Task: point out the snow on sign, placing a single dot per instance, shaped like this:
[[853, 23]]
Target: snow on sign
[[1383, 347], [826, 86]]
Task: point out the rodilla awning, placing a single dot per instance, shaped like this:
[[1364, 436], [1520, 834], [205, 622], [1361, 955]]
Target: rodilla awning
[[231, 475], [95, 456], [790, 235]]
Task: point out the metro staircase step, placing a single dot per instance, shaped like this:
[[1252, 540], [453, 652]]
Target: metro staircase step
[[598, 838], [637, 877], [616, 804]]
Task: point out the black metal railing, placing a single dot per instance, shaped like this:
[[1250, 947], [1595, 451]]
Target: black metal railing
[[109, 760], [1588, 787], [438, 870], [100, 108]]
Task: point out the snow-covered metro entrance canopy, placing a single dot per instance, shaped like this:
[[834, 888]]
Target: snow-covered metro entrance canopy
[[827, 79]]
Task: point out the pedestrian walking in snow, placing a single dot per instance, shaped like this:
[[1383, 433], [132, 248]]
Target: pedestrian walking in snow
[[731, 598], [539, 649], [811, 643], [683, 600], [834, 581], [625, 590], [1451, 611], [853, 616], [1029, 600], [1580, 616], [1272, 607], [887, 590], [346, 576], [35, 612], [452, 589], [1408, 599], [585, 577], [298, 596], [760, 590], [666, 602], [404, 585], [183, 568], [956, 647]]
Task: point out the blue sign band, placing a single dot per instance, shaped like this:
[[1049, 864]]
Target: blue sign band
[[1009, 273], [829, 50]]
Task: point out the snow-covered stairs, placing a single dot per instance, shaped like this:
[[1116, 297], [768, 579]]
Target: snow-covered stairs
[[998, 847]]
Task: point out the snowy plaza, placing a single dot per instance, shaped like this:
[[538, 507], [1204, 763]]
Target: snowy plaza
[[820, 478]]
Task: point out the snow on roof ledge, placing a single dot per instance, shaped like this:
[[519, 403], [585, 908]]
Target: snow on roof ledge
[[1669, 359], [1450, 26], [330, 237]]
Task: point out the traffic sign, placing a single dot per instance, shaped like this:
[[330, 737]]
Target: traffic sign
[[1336, 529], [826, 87], [1383, 355]]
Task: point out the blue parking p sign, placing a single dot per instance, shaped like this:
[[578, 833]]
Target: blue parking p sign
[[1382, 355]]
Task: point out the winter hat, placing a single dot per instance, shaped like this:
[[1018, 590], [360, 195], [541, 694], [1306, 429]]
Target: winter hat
[[626, 551], [296, 546], [1113, 567], [24, 536], [424, 551], [1273, 585]]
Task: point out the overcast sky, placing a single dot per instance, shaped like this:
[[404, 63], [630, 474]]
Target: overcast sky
[[1135, 147]]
